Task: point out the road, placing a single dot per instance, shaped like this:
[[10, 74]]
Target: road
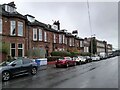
[[100, 74]]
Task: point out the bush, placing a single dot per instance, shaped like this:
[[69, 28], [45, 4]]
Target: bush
[[36, 53], [85, 54], [4, 48], [52, 58], [60, 53]]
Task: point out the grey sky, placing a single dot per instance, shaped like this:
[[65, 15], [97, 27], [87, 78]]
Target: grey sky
[[74, 16]]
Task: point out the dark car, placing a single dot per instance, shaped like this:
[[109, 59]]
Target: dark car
[[65, 61], [12, 68], [88, 59]]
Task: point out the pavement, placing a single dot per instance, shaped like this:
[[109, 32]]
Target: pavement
[[100, 74], [49, 65]]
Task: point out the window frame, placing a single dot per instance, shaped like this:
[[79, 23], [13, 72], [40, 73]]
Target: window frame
[[12, 48], [11, 27], [1, 26], [40, 35], [45, 36], [54, 38], [21, 48], [20, 24], [34, 33]]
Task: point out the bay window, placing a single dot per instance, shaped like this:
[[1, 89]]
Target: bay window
[[12, 28], [34, 34], [40, 35], [20, 28]]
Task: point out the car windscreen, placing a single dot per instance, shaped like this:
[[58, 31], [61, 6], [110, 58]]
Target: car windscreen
[[5, 63], [61, 59]]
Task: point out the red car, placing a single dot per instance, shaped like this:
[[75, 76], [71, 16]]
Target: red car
[[65, 61]]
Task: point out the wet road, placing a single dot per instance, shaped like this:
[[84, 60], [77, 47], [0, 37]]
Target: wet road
[[100, 74]]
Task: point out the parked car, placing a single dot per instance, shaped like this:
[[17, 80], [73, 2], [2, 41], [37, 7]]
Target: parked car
[[95, 58], [82, 59], [65, 61], [88, 59], [17, 67], [77, 59]]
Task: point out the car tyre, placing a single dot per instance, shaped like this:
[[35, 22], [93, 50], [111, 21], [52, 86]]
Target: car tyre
[[57, 66], [33, 71], [5, 76], [75, 64], [67, 65]]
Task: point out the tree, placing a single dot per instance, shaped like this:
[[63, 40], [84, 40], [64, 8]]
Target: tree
[[4, 48], [93, 48]]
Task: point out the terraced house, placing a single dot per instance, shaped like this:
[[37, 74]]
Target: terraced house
[[24, 33]]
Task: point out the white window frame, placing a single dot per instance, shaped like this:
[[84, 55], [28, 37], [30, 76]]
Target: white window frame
[[0, 25], [54, 38], [81, 43], [66, 41], [63, 38], [11, 27], [12, 48], [22, 49], [40, 35], [70, 42], [60, 38], [73, 43], [34, 32], [45, 36], [20, 24]]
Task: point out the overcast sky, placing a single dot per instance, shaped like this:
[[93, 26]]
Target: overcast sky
[[74, 16]]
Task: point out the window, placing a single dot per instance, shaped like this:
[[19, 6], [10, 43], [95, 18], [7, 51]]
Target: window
[[45, 36], [9, 9], [12, 28], [18, 62], [54, 38], [63, 38], [26, 61], [20, 50], [0, 25], [73, 42], [35, 34], [81, 43], [20, 28], [70, 42], [12, 49], [66, 41], [60, 38], [40, 35]]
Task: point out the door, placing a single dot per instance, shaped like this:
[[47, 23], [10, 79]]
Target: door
[[27, 65]]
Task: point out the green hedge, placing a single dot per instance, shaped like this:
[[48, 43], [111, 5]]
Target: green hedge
[[60, 53], [52, 58]]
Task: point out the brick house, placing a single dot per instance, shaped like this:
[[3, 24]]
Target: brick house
[[25, 32], [13, 29]]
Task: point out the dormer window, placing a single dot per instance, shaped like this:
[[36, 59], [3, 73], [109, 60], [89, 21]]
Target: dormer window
[[30, 18], [10, 9]]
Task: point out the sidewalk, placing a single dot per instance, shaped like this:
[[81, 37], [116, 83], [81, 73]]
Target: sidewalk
[[49, 65]]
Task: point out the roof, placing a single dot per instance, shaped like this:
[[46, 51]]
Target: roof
[[14, 14]]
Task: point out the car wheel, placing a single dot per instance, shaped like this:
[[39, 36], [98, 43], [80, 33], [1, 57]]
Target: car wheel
[[67, 65], [57, 66], [5, 76], [33, 71], [75, 64]]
